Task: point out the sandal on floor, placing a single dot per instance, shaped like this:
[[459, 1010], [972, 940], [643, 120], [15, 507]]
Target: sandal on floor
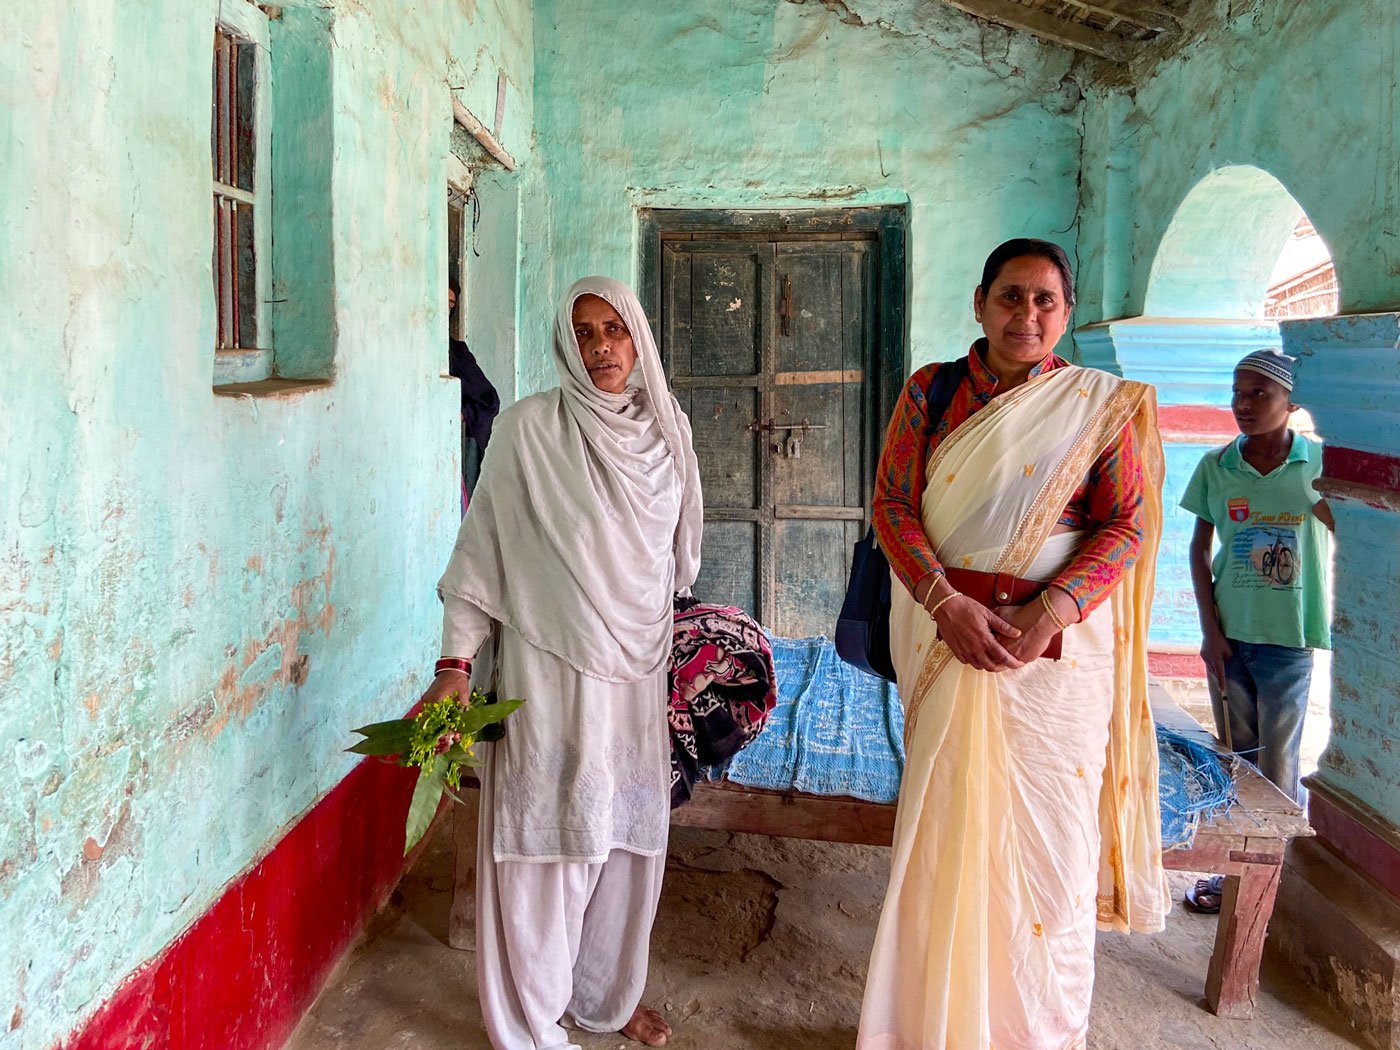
[[1204, 897]]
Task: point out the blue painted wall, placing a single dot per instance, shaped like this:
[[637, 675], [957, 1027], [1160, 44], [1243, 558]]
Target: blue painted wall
[[1349, 374], [1174, 620]]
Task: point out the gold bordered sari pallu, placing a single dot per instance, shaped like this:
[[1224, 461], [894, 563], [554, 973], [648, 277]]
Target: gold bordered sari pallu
[[1028, 814]]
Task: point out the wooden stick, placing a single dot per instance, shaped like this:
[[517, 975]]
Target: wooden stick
[[477, 130]]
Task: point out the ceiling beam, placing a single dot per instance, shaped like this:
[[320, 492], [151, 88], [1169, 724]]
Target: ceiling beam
[[1047, 27], [1144, 16]]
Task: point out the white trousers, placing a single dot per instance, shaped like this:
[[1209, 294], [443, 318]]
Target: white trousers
[[560, 939]]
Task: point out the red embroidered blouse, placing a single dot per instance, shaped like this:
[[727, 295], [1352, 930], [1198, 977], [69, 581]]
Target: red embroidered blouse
[[1107, 505]]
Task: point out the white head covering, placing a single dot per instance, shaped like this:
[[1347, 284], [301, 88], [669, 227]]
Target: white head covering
[[588, 514], [1272, 364]]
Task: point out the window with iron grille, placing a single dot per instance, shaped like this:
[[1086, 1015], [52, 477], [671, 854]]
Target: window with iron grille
[[234, 149], [272, 297]]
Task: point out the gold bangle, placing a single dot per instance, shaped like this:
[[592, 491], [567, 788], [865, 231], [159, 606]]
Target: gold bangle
[[940, 603], [933, 578], [1050, 610]]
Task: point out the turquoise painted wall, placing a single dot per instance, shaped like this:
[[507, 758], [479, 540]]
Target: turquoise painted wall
[[1307, 92], [200, 595], [762, 103], [1286, 97]]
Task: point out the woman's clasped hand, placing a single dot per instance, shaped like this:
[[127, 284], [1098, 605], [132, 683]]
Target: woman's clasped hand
[[1000, 639], [976, 635]]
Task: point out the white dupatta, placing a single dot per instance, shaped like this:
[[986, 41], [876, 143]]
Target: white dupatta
[[572, 539]]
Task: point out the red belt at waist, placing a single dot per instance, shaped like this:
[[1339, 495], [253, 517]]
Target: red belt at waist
[[1001, 588]]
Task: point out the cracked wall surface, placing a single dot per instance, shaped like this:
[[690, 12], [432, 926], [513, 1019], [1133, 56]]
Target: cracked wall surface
[[755, 104], [199, 596], [1307, 92]]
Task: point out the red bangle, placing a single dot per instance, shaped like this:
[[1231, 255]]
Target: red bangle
[[452, 663]]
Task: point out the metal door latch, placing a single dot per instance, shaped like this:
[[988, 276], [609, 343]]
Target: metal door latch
[[791, 445]]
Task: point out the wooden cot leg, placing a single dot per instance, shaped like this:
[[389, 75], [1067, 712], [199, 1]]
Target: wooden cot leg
[[461, 923], [1232, 982]]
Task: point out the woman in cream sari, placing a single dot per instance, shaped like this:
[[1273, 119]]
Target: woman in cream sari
[[1021, 524]]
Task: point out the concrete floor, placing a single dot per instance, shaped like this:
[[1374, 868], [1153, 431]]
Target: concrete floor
[[761, 944]]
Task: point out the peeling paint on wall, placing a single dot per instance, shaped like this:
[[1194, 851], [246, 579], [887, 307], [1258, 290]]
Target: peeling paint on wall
[[756, 104], [198, 595]]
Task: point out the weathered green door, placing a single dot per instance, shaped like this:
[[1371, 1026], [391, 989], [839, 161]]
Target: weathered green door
[[770, 344]]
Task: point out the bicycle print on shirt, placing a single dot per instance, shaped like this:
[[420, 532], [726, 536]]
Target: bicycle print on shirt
[[1265, 554]]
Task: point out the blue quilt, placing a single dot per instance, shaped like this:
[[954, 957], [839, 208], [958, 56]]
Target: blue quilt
[[1192, 782], [835, 731], [839, 731]]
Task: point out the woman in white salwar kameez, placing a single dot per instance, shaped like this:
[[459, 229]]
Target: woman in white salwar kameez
[[1025, 518], [585, 522]]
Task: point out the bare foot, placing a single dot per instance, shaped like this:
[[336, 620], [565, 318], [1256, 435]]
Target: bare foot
[[647, 1026]]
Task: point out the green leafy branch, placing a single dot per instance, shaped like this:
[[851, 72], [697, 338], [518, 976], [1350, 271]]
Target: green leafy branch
[[439, 742]]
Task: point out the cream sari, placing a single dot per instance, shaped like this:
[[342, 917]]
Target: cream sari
[[1013, 780]]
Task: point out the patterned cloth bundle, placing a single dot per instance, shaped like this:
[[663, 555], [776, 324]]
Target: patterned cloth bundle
[[722, 688]]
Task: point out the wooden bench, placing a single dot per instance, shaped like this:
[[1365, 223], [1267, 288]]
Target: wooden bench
[[1245, 844]]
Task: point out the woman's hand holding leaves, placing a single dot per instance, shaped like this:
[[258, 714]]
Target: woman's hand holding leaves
[[438, 741]]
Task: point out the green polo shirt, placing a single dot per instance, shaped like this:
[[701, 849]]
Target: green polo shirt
[[1270, 567]]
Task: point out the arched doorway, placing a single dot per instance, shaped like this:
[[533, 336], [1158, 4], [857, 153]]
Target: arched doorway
[[1239, 256], [1219, 254]]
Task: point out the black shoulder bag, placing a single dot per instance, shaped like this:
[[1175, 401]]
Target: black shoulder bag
[[863, 629]]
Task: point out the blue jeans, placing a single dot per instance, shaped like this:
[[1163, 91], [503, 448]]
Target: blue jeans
[[1266, 693]]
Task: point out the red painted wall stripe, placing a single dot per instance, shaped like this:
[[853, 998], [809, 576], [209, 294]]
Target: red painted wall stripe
[[1373, 469], [243, 974], [1176, 665], [1354, 842], [1196, 422]]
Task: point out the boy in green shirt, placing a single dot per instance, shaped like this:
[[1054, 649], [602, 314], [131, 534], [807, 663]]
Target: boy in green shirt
[[1263, 598]]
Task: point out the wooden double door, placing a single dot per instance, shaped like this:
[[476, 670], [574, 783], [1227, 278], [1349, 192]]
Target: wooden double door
[[771, 347]]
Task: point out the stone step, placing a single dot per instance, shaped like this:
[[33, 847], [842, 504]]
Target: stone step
[[1341, 933]]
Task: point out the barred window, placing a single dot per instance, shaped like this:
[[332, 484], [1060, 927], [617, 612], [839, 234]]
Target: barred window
[[234, 148]]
